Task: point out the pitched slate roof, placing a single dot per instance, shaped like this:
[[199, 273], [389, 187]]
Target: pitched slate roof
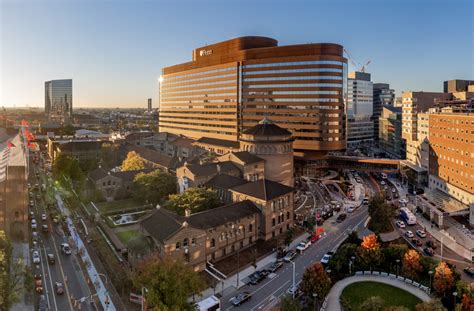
[[247, 157], [97, 174], [130, 175], [263, 189], [225, 181], [80, 145], [152, 156], [219, 142], [162, 224], [183, 142], [266, 128], [211, 168]]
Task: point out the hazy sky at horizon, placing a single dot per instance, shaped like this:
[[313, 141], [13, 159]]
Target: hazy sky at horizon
[[114, 50]]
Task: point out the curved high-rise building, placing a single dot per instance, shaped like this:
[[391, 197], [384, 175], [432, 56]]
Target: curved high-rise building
[[230, 86]]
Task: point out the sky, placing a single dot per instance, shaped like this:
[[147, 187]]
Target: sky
[[114, 50]]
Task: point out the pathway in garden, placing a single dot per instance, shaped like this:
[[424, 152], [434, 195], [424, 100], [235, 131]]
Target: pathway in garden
[[333, 303]]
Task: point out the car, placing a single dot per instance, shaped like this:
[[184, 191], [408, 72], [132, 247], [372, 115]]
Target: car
[[275, 266], [264, 272], [66, 249], [43, 305], [416, 242], [293, 290], [240, 298], [431, 244], [303, 246], [395, 195], [350, 209], [314, 238], [256, 278], [394, 190], [326, 258], [34, 236], [290, 255], [382, 183], [341, 218], [59, 288], [45, 228], [358, 180], [428, 251], [31, 215], [34, 225], [365, 201], [400, 224], [38, 283], [409, 234], [469, 271], [51, 259], [36, 257], [421, 233], [403, 201], [43, 217]]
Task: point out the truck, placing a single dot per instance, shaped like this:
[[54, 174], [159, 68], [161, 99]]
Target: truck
[[407, 216], [209, 304]]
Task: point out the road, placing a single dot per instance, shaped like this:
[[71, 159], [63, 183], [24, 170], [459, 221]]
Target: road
[[276, 285], [66, 268]]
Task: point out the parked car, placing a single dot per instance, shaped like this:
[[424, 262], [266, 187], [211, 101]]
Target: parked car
[[314, 238], [421, 233], [33, 224], [34, 236], [469, 271], [350, 209], [38, 283], [365, 201], [428, 251], [43, 217], [51, 259], [382, 183], [275, 266], [341, 218], [256, 278], [45, 228], [290, 256], [240, 298], [43, 305], [326, 258], [409, 234], [31, 215], [36, 257], [293, 290], [303, 246], [66, 249], [431, 244], [400, 224], [416, 242], [59, 288], [403, 201]]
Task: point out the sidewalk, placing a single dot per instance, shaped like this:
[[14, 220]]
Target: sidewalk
[[333, 302], [441, 235], [230, 284], [26, 301]]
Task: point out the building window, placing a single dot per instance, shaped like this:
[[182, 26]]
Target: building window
[[193, 241], [250, 227], [241, 244], [178, 246], [224, 251], [281, 230], [250, 240], [185, 242], [273, 222], [273, 234], [287, 215], [213, 242]]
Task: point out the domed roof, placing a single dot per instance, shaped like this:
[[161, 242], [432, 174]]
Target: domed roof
[[266, 128]]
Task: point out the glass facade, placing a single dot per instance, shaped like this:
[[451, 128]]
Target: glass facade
[[58, 99]]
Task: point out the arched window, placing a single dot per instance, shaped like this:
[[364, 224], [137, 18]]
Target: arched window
[[193, 241], [178, 246], [185, 242], [213, 242]]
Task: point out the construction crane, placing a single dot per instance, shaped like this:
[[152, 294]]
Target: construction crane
[[362, 68]]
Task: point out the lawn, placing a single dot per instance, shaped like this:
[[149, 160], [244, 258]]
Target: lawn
[[126, 236], [357, 293], [112, 206]]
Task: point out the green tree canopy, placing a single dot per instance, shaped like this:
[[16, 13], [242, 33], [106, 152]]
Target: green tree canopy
[[433, 305], [373, 303], [153, 187], [340, 261], [316, 281], [109, 155], [65, 168], [290, 304], [381, 215], [194, 199], [169, 283], [133, 162]]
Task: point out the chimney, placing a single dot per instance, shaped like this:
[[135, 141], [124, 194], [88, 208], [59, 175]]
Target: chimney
[[187, 212]]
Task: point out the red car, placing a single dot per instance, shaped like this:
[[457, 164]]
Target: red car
[[314, 238]]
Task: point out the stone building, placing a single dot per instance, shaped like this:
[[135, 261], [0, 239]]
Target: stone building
[[79, 149]]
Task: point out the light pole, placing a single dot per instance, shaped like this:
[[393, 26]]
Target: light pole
[[398, 264], [430, 273], [454, 300], [351, 262], [293, 286], [144, 290], [315, 297]]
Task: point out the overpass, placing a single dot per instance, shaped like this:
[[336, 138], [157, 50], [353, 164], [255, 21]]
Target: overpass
[[307, 165]]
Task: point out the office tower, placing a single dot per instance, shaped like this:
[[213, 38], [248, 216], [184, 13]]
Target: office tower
[[58, 99], [390, 131], [360, 126], [383, 95], [453, 86], [230, 86], [149, 104]]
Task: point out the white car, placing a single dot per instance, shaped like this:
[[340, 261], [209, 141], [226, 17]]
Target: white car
[[36, 257], [403, 201], [382, 183], [400, 224], [303, 246], [350, 209], [66, 249], [293, 290], [421, 233], [326, 258], [43, 217], [409, 234], [33, 224]]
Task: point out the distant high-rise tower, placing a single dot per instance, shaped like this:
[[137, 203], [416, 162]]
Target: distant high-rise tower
[[149, 104], [383, 96], [58, 99]]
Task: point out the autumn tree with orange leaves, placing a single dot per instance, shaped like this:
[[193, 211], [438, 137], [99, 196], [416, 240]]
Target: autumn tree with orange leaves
[[369, 252], [443, 279], [411, 264]]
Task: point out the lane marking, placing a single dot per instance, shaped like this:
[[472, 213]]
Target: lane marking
[[272, 294]]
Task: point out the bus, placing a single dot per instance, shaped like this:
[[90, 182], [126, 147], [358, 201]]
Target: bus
[[407, 216], [209, 304]]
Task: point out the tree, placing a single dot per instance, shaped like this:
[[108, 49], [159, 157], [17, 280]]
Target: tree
[[369, 253], [133, 162], [381, 215], [374, 303], [194, 199], [109, 155], [316, 281], [289, 236], [370, 242], [339, 262], [290, 304], [67, 169], [443, 279], [153, 187], [411, 265], [390, 255], [12, 273], [353, 238], [433, 305], [397, 308], [169, 283]]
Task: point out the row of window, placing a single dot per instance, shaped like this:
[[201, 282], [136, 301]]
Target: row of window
[[315, 70], [197, 130], [191, 106], [167, 83], [164, 117], [289, 92], [171, 78], [323, 139], [166, 111], [185, 84], [309, 62], [248, 98], [281, 218], [252, 105], [167, 96], [289, 79], [232, 87], [207, 125], [309, 114], [201, 101], [275, 85]]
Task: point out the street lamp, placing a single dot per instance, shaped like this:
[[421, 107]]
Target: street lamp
[[430, 273], [398, 264], [315, 297], [351, 262], [454, 299], [144, 290], [293, 286]]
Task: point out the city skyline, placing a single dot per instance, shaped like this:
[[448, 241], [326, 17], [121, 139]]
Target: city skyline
[[130, 44]]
